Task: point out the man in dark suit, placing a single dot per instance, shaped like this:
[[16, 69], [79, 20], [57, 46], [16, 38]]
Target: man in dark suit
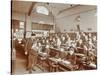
[[31, 53]]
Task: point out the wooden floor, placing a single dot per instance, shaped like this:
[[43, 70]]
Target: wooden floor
[[20, 65]]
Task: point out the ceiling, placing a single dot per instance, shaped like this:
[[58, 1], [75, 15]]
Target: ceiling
[[57, 9], [24, 6], [21, 6]]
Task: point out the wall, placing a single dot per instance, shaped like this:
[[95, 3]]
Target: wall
[[87, 20], [39, 17], [65, 23], [33, 18], [18, 16]]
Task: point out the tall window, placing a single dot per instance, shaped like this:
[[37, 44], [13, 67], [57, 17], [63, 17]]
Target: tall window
[[21, 29], [21, 25]]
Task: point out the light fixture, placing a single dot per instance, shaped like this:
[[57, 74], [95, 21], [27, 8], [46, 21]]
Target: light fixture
[[16, 30]]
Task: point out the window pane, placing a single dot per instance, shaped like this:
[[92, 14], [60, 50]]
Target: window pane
[[21, 24], [42, 10]]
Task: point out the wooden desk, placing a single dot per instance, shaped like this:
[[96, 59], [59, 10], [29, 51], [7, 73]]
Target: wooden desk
[[55, 49], [65, 67], [53, 64], [42, 61], [79, 54], [80, 50], [55, 60], [54, 52], [90, 66]]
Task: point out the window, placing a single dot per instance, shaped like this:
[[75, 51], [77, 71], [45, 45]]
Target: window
[[21, 25], [37, 26], [21, 29], [42, 10]]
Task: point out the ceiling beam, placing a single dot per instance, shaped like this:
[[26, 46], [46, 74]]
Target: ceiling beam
[[31, 8]]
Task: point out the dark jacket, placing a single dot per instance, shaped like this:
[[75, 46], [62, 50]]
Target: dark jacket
[[28, 45]]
